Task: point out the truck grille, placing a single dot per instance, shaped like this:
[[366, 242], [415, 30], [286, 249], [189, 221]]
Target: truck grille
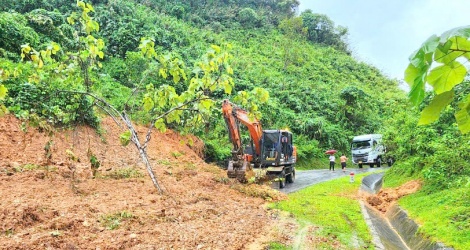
[[360, 157]]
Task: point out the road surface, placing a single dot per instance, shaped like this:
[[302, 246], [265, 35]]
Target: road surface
[[305, 178]]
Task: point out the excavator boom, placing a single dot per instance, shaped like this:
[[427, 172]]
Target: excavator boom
[[233, 116]]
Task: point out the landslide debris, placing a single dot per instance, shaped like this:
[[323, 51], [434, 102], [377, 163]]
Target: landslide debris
[[50, 201]]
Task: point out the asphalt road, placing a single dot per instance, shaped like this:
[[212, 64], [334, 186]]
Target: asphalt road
[[307, 178]]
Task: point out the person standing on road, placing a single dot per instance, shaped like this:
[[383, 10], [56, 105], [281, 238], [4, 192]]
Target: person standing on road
[[332, 162], [343, 160]]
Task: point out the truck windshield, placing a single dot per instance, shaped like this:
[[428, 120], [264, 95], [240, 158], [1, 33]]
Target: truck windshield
[[360, 144]]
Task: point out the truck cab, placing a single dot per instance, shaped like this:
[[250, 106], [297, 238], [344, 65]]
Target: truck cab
[[367, 150]]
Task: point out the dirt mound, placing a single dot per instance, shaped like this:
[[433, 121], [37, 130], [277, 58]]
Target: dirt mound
[[386, 197], [49, 201]]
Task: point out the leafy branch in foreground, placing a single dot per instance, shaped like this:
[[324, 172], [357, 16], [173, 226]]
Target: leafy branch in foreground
[[443, 63]]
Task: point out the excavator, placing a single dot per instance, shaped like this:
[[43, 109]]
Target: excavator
[[269, 149]]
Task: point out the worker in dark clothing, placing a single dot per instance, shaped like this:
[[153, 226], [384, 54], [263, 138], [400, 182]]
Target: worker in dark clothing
[[285, 148]]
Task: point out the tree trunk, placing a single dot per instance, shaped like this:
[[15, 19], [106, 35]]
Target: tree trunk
[[142, 151]]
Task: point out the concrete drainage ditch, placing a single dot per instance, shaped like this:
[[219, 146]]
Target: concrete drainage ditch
[[394, 230]]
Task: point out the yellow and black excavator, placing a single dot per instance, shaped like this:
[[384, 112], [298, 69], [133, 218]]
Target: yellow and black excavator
[[271, 149]]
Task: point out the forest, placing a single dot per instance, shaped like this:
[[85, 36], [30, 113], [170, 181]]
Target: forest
[[292, 70]]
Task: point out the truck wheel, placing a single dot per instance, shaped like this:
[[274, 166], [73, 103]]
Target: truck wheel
[[360, 165], [379, 162], [282, 179], [371, 165], [291, 177]]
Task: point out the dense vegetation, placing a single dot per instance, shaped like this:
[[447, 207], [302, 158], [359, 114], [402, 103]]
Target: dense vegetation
[[316, 89]]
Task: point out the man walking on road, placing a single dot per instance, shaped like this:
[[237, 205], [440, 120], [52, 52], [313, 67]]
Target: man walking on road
[[343, 160], [332, 162]]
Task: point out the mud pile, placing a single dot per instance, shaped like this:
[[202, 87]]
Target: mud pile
[[50, 201]]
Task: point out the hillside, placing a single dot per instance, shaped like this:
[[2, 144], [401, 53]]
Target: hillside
[[54, 207], [319, 92]]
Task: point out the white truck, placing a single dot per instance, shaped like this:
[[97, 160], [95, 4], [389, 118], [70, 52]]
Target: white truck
[[368, 150]]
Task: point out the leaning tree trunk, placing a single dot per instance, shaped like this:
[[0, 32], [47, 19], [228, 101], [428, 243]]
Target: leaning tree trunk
[[142, 151]]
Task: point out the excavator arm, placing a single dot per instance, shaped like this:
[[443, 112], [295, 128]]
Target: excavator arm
[[240, 163]]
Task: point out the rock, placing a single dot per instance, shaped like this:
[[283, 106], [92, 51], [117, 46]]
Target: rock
[[14, 164]]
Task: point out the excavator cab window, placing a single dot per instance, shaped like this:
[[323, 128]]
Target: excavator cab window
[[271, 146]]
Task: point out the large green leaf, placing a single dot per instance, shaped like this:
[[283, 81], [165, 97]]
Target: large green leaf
[[459, 31], [411, 73], [460, 44], [463, 115], [443, 78], [432, 111], [417, 91], [446, 58], [431, 44]]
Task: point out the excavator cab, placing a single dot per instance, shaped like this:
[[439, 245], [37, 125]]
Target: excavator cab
[[277, 148]]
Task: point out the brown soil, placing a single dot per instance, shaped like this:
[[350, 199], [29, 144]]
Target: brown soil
[[386, 197], [62, 207]]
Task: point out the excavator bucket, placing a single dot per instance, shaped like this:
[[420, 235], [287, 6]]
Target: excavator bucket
[[241, 170]]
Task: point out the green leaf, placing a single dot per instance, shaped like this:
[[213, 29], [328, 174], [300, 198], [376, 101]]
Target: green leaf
[[148, 104], [459, 31], [463, 115], [160, 125], [448, 57], [431, 44], [163, 73], [215, 48], [207, 104], [417, 91], [3, 92], [71, 20], [432, 111], [460, 44], [227, 88], [411, 73], [443, 78], [125, 138]]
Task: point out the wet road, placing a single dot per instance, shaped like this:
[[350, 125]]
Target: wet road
[[305, 178]]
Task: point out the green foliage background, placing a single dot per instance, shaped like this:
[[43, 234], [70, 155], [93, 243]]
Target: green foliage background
[[317, 90]]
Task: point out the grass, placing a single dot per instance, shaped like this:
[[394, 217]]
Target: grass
[[444, 216], [395, 177], [113, 221], [33, 167], [333, 208], [177, 154], [125, 173], [277, 246]]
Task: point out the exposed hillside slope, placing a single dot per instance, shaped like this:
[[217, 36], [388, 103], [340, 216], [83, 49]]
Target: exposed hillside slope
[[49, 208]]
